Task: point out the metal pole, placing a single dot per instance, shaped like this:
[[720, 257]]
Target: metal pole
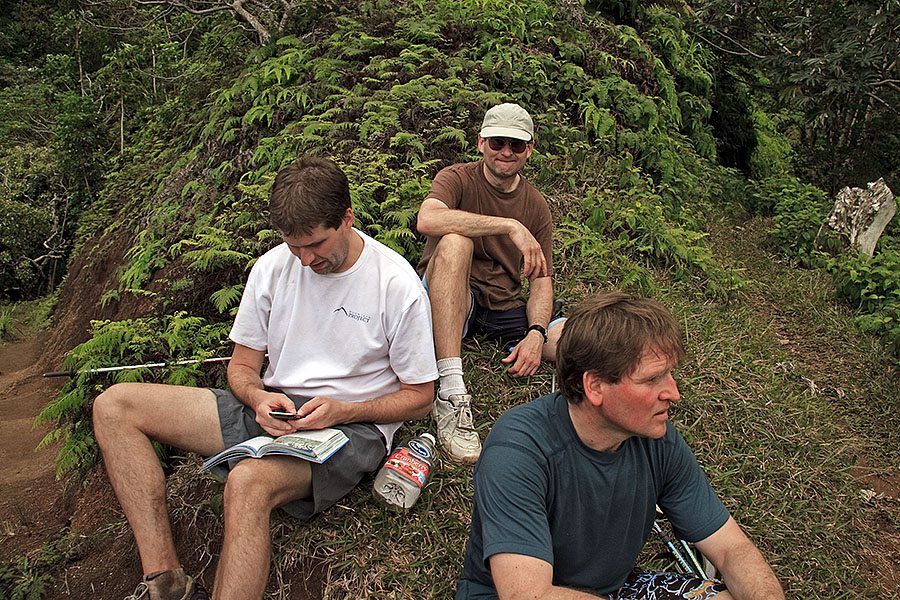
[[73, 372], [684, 565], [694, 566], [698, 568]]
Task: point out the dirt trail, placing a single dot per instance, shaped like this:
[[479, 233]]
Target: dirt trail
[[29, 491]]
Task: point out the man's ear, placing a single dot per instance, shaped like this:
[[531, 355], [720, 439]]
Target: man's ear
[[348, 218], [593, 388]]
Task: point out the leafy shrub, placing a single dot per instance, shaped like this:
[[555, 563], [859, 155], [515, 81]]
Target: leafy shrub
[[800, 210], [7, 326], [773, 155], [27, 204], [638, 220], [24, 580], [170, 338], [31, 577], [873, 286]]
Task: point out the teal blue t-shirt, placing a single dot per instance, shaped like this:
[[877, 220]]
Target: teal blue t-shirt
[[540, 492]]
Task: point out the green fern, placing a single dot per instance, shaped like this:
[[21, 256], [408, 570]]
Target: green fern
[[154, 339], [227, 298]]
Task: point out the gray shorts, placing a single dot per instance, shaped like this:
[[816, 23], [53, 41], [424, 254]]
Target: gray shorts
[[331, 480]]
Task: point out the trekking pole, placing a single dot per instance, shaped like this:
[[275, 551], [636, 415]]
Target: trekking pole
[[697, 566], [681, 561], [694, 566], [73, 372]]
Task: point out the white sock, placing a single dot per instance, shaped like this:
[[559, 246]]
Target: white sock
[[451, 373]]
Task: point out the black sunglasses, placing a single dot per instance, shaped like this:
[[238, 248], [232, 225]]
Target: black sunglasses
[[497, 144]]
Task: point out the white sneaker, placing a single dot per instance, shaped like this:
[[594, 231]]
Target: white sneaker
[[455, 432]]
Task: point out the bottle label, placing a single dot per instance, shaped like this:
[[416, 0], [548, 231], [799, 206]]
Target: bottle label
[[404, 462], [419, 448]]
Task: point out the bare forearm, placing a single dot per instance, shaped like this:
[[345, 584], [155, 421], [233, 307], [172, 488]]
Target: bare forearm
[[743, 567], [554, 593], [749, 577], [410, 403], [562, 593], [540, 301], [436, 220], [518, 577], [244, 379]]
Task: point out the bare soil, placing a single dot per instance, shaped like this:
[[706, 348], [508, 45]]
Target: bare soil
[[31, 507], [101, 561]]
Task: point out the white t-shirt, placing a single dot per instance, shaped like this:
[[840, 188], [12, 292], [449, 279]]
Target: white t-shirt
[[352, 336]]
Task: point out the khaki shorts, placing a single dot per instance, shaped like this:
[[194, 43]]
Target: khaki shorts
[[331, 480]]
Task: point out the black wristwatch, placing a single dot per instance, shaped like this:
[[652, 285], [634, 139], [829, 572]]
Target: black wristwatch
[[538, 328]]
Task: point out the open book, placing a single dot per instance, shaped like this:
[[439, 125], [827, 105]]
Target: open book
[[315, 445]]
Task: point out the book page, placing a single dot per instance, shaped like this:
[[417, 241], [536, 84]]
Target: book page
[[253, 444], [307, 440]]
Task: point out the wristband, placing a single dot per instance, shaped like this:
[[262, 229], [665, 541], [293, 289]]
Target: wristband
[[540, 329]]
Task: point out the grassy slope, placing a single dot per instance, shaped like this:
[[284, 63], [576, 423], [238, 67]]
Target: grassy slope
[[783, 400], [782, 397]]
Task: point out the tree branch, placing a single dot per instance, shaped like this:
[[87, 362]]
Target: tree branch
[[261, 31], [746, 51]]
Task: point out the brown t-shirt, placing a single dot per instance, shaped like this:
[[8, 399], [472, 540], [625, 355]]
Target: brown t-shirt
[[496, 263]]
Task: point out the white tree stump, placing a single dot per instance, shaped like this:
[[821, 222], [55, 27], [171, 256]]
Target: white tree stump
[[862, 214]]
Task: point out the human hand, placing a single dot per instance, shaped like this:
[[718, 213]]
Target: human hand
[[535, 264], [265, 402], [526, 355], [321, 412]]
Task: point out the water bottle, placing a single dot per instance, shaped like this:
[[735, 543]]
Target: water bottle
[[406, 471]]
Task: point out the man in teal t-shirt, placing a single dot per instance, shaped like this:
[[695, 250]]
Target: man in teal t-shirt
[[567, 486]]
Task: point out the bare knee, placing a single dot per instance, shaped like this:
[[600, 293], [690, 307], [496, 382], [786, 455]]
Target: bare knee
[[110, 408], [249, 488], [454, 246], [265, 484], [127, 408], [453, 254]]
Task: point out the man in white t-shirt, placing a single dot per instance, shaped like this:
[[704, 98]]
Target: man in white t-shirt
[[346, 324]]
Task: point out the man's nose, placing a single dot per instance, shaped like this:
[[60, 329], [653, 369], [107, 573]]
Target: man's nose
[[670, 390], [306, 256]]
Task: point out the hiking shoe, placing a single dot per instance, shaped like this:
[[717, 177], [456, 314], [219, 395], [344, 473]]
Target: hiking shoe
[[166, 586], [455, 433]]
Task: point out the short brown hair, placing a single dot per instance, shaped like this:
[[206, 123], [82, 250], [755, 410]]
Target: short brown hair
[[608, 334], [310, 192]]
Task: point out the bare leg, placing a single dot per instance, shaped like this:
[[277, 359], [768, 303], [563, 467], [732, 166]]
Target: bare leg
[[127, 417], [253, 489], [447, 275]]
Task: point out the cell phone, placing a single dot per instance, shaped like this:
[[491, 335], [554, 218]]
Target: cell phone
[[283, 415]]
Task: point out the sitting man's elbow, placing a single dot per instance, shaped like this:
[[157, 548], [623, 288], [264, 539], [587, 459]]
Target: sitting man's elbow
[[422, 407], [422, 225]]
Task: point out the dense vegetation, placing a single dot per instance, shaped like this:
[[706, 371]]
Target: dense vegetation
[[159, 127]]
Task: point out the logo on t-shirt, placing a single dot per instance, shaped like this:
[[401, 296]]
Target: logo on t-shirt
[[352, 315]]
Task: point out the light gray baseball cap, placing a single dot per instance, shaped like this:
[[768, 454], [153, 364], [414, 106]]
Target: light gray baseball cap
[[508, 120]]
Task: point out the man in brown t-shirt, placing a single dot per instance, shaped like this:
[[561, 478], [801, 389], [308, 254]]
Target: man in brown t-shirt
[[487, 229]]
